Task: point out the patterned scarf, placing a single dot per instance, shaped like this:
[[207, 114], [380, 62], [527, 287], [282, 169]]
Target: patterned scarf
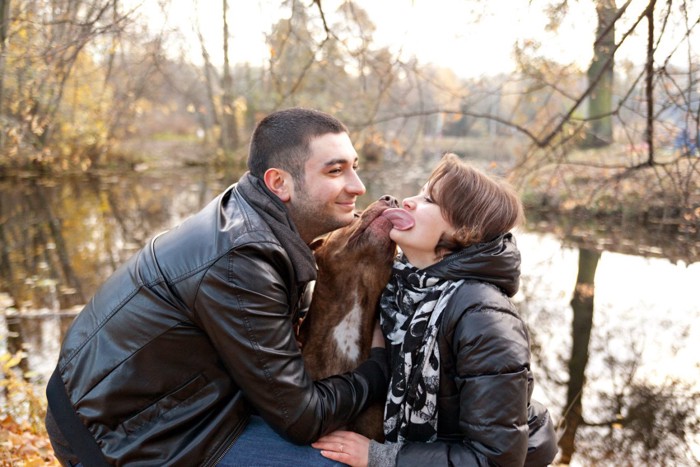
[[411, 312]]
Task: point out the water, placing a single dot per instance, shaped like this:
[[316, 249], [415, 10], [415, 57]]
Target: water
[[61, 237]]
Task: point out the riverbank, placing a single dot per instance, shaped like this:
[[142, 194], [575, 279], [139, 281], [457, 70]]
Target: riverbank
[[95, 221]]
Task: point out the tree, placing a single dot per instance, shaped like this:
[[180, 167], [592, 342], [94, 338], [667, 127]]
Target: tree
[[600, 77], [49, 45], [4, 27], [229, 127]]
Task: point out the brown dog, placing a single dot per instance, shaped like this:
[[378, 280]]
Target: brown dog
[[354, 265]]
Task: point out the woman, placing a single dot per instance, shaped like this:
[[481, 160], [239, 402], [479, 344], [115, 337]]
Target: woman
[[460, 357]]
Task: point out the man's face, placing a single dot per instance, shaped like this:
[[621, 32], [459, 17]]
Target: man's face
[[326, 200]]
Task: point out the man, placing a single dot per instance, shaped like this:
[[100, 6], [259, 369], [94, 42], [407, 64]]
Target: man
[[195, 333]]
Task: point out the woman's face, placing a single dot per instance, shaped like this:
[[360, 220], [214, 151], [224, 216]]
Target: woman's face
[[418, 239]]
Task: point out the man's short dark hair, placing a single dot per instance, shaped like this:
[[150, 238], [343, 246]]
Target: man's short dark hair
[[282, 139]]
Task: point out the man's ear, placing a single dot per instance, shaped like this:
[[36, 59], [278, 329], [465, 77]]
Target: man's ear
[[280, 183]]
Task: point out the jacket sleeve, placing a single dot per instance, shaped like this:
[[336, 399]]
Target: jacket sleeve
[[490, 347], [243, 305]]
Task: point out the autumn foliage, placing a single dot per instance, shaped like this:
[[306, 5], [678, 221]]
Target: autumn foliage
[[23, 438]]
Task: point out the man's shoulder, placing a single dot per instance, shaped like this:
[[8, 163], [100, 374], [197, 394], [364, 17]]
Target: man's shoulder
[[242, 222], [226, 224]]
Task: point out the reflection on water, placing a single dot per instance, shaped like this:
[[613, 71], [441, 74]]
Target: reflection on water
[[639, 386], [640, 382], [62, 237], [644, 307]]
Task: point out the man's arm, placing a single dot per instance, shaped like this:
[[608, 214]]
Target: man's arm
[[243, 306]]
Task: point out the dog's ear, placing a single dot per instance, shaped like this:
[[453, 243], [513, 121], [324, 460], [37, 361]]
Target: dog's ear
[[316, 244]]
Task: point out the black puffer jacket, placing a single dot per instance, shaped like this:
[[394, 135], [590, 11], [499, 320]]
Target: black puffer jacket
[[485, 415], [167, 360]]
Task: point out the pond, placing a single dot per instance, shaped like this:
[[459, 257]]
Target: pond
[[620, 376]]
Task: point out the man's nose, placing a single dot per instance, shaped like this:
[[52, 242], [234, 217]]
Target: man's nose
[[355, 185]]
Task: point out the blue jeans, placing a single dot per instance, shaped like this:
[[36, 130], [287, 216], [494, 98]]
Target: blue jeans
[[260, 446]]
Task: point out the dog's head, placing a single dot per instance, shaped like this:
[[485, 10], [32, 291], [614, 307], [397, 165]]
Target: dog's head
[[364, 243]]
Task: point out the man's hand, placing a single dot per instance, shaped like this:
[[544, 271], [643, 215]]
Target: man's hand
[[344, 446]]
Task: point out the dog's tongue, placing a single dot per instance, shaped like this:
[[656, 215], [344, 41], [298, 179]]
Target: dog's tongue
[[400, 218]]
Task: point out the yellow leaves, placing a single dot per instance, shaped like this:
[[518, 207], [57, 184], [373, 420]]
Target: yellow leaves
[[22, 446], [9, 361], [22, 34], [240, 104], [23, 438]]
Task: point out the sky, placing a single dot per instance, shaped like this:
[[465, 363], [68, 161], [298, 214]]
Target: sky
[[440, 32], [445, 33]]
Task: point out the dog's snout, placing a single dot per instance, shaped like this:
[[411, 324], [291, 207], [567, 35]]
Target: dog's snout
[[390, 200]]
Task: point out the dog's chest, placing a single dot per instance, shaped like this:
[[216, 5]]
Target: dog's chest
[[346, 334]]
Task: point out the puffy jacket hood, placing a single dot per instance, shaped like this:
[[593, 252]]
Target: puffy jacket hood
[[496, 262]]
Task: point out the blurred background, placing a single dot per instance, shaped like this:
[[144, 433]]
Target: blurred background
[[120, 118]]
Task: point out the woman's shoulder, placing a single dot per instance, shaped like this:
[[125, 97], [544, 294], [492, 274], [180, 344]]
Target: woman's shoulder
[[483, 327], [474, 295], [479, 308]]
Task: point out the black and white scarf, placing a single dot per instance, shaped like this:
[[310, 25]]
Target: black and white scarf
[[411, 312]]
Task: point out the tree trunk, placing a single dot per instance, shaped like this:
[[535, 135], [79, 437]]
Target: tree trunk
[[582, 325], [600, 72], [649, 84], [4, 26], [229, 127], [209, 79]]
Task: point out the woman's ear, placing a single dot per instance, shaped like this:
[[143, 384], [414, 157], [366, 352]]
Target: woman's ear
[[280, 183]]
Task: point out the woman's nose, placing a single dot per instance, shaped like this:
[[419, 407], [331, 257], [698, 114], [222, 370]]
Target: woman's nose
[[407, 203]]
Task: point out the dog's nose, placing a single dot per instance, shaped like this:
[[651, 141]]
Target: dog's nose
[[390, 200]]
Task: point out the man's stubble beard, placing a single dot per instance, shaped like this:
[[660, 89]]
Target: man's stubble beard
[[310, 217]]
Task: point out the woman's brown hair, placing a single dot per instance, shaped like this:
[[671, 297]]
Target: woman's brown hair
[[479, 206]]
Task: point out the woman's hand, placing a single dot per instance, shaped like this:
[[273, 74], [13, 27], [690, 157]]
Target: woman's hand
[[377, 336], [344, 446]]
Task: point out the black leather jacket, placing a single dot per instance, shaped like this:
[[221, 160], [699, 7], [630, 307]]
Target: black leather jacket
[[485, 414], [191, 334]]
